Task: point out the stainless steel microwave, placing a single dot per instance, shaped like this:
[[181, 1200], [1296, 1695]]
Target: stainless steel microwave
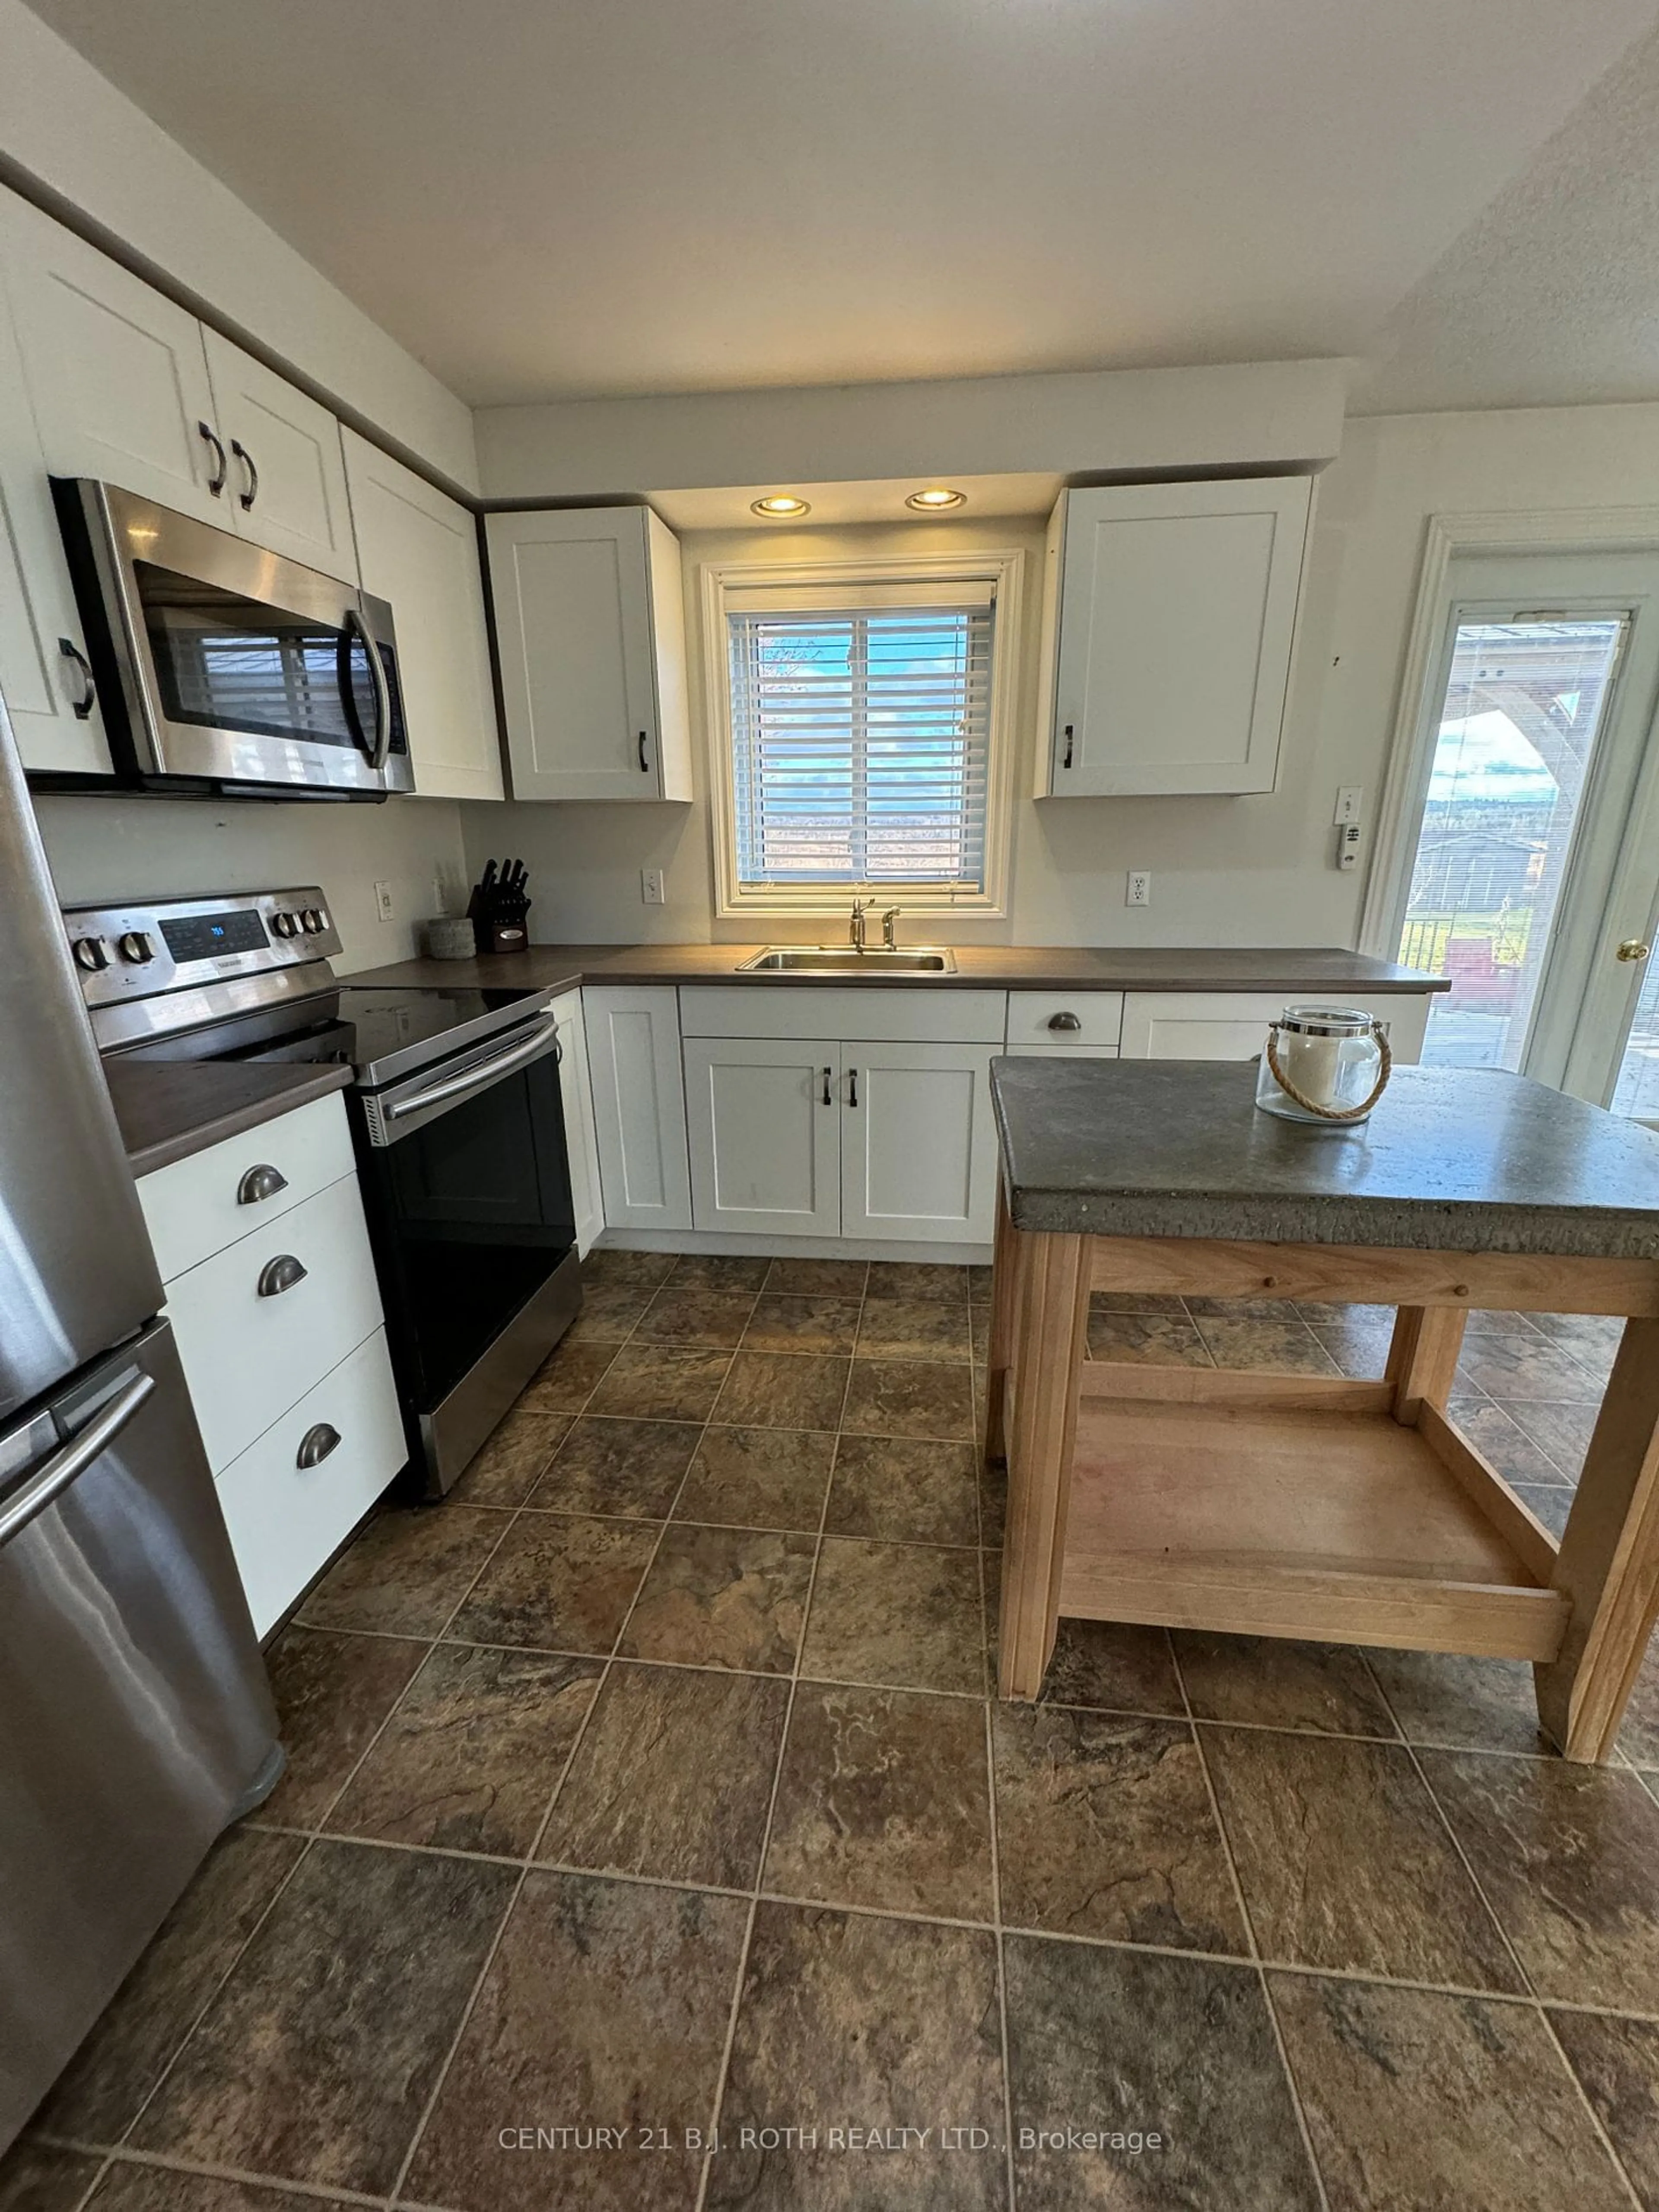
[[222, 668]]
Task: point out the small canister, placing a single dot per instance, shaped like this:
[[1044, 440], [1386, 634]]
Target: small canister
[[1326, 1065], [449, 937]]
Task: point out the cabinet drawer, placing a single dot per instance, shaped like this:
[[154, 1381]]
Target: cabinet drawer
[[285, 1520], [249, 1358], [1062, 1052], [861, 1010], [194, 1207], [1073, 1017]]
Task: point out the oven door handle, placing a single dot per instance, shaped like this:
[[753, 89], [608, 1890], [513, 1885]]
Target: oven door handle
[[353, 629], [546, 1033]]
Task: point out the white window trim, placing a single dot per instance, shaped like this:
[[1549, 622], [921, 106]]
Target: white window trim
[[1576, 530], [1005, 568]]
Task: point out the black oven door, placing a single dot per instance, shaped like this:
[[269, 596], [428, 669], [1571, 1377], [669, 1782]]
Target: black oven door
[[468, 1185]]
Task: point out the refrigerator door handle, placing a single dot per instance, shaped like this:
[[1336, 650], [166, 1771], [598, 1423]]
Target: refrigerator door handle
[[55, 1476]]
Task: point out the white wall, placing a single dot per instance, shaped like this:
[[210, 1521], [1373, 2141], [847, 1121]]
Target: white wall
[[67, 126], [1121, 420], [115, 848], [1226, 871]]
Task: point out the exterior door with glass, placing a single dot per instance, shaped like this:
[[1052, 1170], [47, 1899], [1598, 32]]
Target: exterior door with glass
[[1533, 872]]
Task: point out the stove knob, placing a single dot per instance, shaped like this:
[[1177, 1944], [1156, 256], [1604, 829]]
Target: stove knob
[[313, 921], [135, 946], [285, 923], [91, 953]]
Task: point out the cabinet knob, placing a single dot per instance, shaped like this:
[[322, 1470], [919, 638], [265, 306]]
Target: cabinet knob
[[280, 1275], [316, 1444], [260, 1184], [1064, 1022]]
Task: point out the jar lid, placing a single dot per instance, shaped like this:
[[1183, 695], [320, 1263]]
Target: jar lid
[[1328, 1021]]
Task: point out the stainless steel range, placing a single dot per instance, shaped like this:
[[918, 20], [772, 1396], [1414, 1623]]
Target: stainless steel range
[[455, 1110]]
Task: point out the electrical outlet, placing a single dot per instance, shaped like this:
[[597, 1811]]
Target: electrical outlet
[[439, 896], [1139, 890], [383, 905], [1350, 803], [651, 886]]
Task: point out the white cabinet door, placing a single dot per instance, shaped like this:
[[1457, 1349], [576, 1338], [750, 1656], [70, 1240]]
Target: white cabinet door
[[43, 676], [592, 632], [1233, 1025], [639, 1104], [420, 550], [919, 1150], [576, 1095], [117, 373], [287, 481], [1176, 608], [763, 1121]]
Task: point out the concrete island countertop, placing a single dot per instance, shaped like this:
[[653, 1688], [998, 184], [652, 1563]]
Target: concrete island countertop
[[169, 1109], [1321, 969], [1452, 1159]]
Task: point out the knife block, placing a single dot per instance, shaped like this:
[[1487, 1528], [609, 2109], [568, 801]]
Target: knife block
[[493, 935]]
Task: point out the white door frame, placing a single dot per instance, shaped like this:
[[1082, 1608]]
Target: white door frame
[[1568, 530]]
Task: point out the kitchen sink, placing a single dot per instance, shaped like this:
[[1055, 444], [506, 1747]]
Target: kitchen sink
[[847, 960]]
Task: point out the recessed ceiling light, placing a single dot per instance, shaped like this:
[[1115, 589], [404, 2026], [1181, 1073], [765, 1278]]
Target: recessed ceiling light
[[779, 506], [936, 497]]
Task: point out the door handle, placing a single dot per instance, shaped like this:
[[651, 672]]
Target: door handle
[[280, 1275], [1633, 948], [1071, 728], [316, 1444], [352, 627], [89, 698], [259, 1183], [1064, 1022], [75, 1457], [828, 1099], [852, 1086], [244, 499], [221, 460], [645, 765]]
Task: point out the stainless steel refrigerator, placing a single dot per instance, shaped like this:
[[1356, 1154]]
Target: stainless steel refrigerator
[[135, 1721]]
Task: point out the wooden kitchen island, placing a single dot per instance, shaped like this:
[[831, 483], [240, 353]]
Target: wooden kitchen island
[[1348, 1511]]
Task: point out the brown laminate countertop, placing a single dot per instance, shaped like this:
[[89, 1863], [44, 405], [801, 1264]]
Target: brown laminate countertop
[[1320, 968], [168, 1110]]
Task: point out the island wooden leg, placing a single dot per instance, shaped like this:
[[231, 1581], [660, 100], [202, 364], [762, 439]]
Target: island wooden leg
[[1423, 1357], [1050, 1328], [1609, 1564], [1004, 1301]]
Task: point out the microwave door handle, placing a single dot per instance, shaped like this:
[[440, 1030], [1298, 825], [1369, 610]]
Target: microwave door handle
[[353, 628], [71, 1460], [476, 1078]]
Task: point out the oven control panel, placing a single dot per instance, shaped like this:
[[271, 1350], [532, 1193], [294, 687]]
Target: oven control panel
[[145, 947]]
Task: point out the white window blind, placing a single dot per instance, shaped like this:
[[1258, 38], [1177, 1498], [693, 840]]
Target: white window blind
[[861, 727]]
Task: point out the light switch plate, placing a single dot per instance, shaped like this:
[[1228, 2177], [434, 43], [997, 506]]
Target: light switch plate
[[1350, 803], [383, 905], [651, 886]]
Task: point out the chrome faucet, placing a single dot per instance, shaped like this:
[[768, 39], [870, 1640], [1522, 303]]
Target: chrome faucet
[[889, 935], [855, 926]]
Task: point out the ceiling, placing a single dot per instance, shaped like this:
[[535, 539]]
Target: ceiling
[[549, 201]]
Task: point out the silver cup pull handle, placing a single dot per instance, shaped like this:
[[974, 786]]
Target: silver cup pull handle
[[260, 1184], [316, 1444], [1064, 1022], [280, 1275]]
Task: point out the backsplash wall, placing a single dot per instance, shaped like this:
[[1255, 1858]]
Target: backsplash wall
[[114, 849]]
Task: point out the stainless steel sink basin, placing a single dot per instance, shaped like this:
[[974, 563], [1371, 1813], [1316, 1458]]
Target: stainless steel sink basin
[[847, 960]]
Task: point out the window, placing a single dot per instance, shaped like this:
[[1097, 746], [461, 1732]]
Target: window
[[861, 734]]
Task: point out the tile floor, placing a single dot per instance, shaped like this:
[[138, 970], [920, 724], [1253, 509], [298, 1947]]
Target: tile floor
[[653, 1785]]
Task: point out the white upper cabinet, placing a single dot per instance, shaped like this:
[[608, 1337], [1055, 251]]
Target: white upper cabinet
[[117, 373], [420, 550], [129, 387], [1171, 612], [592, 632], [288, 479], [45, 677]]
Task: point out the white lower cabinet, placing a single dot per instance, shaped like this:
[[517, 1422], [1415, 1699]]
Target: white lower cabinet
[[918, 1147], [580, 1139], [639, 1104], [763, 1115], [272, 1296], [297, 1493], [1233, 1025]]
